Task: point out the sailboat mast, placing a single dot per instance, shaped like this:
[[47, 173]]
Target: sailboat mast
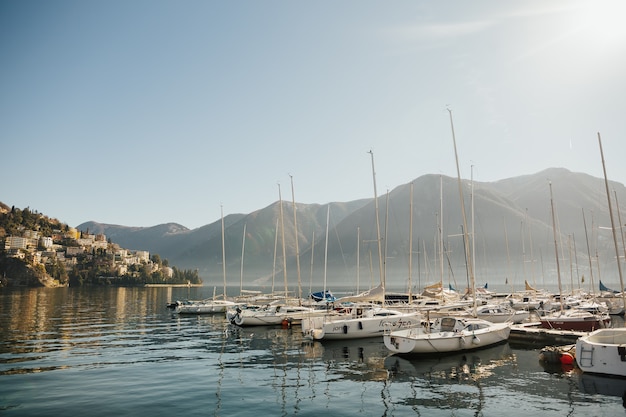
[[275, 251], [380, 254], [608, 197], [311, 272], [223, 252], [410, 242], [358, 255], [440, 222], [282, 231], [243, 247], [386, 239], [295, 226], [465, 237], [588, 251], [472, 216], [326, 250], [556, 248], [619, 220]]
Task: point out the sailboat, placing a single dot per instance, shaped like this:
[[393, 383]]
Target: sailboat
[[363, 315], [603, 351], [281, 311], [570, 319], [450, 333], [325, 295], [212, 305]]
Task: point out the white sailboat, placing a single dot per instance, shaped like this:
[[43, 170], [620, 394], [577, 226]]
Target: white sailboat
[[281, 311], [365, 317], [447, 334], [213, 305], [360, 321], [603, 351], [572, 318], [450, 333], [277, 313]]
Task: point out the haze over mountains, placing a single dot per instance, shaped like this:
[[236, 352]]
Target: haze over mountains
[[513, 237]]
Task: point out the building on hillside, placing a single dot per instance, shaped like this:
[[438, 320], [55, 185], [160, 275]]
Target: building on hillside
[[17, 242], [74, 251], [144, 256], [45, 242], [168, 272]]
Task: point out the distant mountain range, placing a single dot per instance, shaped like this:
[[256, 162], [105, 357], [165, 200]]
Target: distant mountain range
[[513, 237]]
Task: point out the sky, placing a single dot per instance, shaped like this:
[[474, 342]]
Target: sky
[[144, 112]]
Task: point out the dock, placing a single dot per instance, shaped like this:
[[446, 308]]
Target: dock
[[532, 333]]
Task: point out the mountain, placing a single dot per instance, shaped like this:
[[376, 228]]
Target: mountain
[[513, 237]]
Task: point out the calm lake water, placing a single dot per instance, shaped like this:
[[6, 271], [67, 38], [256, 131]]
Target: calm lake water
[[121, 352]]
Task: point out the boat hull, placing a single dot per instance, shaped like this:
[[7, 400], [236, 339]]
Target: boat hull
[[419, 341], [603, 352], [356, 328], [203, 307], [273, 316], [578, 324]]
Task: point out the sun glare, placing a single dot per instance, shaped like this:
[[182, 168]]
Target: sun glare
[[602, 21]]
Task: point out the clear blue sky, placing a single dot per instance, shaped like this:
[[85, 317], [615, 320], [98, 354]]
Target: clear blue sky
[[145, 112]]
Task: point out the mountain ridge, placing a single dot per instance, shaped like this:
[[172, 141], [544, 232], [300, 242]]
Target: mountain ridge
[[513, 233]]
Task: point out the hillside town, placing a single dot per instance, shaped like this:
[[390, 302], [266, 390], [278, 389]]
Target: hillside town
[[42, 251]]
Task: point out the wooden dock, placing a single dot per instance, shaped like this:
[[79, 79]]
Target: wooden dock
[[532, 333]]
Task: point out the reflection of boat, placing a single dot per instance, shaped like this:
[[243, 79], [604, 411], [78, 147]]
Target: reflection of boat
[[603, 352], [477, 364], [358, 359], [447, 335], [602, 384]]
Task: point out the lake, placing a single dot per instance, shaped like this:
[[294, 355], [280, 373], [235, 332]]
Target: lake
[[120, 351]]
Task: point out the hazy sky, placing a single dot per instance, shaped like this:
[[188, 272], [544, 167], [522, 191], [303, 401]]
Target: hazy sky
[[145, 112]]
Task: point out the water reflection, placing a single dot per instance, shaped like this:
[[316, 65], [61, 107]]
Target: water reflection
[[468, 366], [357, 360], [127, 343], [604, 385]]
